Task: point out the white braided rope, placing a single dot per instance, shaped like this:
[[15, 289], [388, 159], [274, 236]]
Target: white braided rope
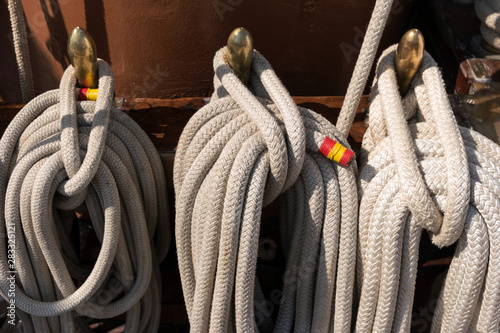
[[20, 39], [413, 150], [488, 12], [363, 65], [237, 154], [116, 175]]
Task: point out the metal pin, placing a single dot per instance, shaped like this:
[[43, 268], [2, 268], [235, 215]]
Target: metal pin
[[82, 55], [409, 56], [239, 57]]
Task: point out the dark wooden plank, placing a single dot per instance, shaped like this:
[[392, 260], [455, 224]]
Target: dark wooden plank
[[164, 119]]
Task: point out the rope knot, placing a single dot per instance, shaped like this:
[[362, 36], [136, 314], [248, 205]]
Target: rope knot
[[399, 127], [81, 173], [419, 170], [274, 115]]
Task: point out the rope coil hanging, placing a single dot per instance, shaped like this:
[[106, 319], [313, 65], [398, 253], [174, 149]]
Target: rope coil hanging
[[488, 12], [236, 155], [57, 156], [417, 164]]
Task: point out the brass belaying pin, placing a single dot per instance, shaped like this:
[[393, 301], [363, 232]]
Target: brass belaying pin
[[409, 56], [82, 55], [239, 55]]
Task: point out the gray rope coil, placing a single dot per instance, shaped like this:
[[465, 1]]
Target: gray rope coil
[[236, 155], [57, 156], [488, 12], [414, 151]]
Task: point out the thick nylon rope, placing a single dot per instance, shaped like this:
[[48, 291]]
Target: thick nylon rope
[[236, 155], [20, 39], [57, 156], [363, 65], [488, 12], [413, 150]]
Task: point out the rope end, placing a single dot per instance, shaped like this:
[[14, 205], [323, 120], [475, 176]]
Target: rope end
[[87, 94], [334, 151]]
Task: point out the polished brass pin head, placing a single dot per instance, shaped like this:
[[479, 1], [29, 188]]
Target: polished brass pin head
[[82, 55], [240, 51], [409, 56]]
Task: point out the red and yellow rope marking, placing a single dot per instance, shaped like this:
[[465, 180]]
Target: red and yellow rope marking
[[87, 94], [336, 152]]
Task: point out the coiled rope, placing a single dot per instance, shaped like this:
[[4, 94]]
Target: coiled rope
[[58, 156], [221, 182], [488, 12], [236, 155], [417, 163]]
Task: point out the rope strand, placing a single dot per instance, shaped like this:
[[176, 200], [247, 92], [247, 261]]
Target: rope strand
[[20, 39], [363, 65]]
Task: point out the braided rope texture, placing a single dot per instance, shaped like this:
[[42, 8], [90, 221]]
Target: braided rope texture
[[59, 156], [420, 170], [488, 12], [364, 64], [236, 155], [20, 39]]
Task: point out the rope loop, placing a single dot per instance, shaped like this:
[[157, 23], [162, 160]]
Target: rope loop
[[81, 174]]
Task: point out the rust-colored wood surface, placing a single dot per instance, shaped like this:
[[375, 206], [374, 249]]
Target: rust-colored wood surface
[[164, 48]]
